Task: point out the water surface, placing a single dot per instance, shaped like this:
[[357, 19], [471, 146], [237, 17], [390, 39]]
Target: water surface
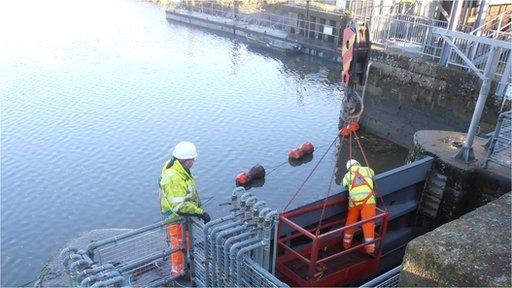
[[95, 94]]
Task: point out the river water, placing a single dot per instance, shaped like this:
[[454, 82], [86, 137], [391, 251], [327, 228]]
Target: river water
[[95, 94]]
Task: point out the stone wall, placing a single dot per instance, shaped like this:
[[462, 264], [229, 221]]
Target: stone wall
[[405, 94], [474, 250], [468, 186]]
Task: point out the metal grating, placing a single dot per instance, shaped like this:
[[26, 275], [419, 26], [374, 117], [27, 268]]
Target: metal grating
[[499, 151]]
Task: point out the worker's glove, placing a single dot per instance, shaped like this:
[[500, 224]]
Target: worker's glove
[[205, 217]]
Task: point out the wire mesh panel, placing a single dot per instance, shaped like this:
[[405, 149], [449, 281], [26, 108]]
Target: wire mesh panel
[[133, 248], [136, 258], [253, 275], [500, 148]]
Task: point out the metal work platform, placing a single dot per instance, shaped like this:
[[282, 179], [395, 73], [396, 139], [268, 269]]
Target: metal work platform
[[399, 189]]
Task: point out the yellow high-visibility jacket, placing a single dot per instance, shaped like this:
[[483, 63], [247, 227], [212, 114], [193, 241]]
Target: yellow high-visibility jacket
[[360, 191], [178, 191]]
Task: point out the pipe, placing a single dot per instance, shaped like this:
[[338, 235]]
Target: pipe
[[66, 252], [74, 257], [74, 266], [207, 253], [220, 237], [232, 256], [241, 253], [116, 280], [92, 271], [212, 236], [136, 263], [98, 278], [258, 205], [165, 280], [274, 252], [228, 243]]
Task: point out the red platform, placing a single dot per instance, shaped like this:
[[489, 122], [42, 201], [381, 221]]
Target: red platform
[[318, 259]]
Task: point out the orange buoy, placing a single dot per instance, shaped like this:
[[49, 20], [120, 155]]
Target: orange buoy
[[256, 172], [242, 179], [354, 126], [307, 148], [296, 154]]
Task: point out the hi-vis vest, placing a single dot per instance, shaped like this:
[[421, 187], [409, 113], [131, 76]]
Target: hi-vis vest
[[359, 181], [178, 191]]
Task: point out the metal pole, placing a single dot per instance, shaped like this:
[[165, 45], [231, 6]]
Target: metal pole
[[466, 153], [307, 19], [480, 17], [452, 25]]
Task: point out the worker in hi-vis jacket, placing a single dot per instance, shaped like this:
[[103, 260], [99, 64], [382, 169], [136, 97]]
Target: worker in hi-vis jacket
[[362, 203], [179, 197]]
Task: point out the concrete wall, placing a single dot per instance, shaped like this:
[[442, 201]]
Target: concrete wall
[[405, 94], [474, 250], [467, 186]]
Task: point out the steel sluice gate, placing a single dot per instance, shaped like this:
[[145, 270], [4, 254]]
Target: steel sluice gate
[[239, 248]]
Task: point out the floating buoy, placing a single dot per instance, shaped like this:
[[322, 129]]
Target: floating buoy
[[296, 154], [242, 179], [304, 149], [307, 148], [256, 172]]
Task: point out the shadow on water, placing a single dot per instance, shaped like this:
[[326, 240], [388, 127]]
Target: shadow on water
[[304, 160]]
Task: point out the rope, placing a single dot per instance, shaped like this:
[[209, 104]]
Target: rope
[[272, 169], [310, 173], [368, 165], [328, 191]]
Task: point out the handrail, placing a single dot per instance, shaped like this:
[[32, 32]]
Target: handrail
[[489, 21]]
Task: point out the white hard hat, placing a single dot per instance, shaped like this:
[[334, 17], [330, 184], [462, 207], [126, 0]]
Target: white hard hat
[[352, 162], [185, 150]]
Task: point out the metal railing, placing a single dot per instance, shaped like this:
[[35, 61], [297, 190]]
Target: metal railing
[[235, 250], [321, 246], [431, 39], [498, 27], [281, 25], [136, 258], [499, 150]]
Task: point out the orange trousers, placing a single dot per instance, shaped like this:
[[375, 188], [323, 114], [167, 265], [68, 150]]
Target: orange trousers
[[175, 234], [366, 211]]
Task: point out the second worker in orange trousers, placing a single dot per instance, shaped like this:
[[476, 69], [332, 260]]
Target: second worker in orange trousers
[[362, 203]]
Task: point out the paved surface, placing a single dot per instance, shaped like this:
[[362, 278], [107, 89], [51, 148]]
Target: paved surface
[[474, 250]]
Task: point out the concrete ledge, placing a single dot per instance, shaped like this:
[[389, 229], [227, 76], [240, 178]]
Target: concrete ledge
[[53, 275], [474, 250]]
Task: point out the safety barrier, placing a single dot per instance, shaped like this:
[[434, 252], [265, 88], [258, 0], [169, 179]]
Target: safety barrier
[[317, 259], [431, 39], [269, 23], [139, 257], [499, 150], [236, 250]]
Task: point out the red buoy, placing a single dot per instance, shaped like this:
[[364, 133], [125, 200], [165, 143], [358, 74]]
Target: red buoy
[[307, 148], [296, 153], [242, 179], [256, 172]]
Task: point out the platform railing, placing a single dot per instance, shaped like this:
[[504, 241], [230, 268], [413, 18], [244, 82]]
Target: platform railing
[[318, 238], [499, 150], [138, 257]]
